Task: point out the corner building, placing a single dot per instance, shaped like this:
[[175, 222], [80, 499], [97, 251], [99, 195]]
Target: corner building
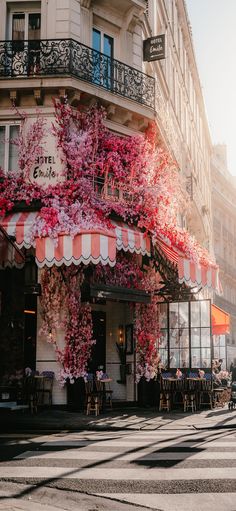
[[91, 52]]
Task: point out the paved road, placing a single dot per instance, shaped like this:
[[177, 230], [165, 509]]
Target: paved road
[[161, 470]]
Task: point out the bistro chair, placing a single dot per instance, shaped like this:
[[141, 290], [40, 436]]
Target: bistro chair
[[178, 394], [190, 395], [206, 393], [92, 398], [165, 392]]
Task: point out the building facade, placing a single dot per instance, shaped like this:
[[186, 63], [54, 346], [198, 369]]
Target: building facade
[[224, 222], [92, 51]]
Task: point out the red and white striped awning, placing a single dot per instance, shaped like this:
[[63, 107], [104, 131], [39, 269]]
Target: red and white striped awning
[[131, 239], [86, 247], [10, 255], [95, 245], [19, 225], [191, 273]]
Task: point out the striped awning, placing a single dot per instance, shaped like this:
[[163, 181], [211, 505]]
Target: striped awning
[[191, 273], [95, 245], [86, 247], [131, 239], [19, 225], [10, 255]]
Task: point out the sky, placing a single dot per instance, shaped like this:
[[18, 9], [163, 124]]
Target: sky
[[213, 25]]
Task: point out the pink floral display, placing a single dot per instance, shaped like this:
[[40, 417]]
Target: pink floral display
[[106, 174]]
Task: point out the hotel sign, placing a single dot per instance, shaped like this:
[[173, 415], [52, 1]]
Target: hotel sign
[[48, 169], [154, 48]]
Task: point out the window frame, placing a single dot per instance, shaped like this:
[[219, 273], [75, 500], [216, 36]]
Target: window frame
[[166, 331], [26, 11], [7, 125]]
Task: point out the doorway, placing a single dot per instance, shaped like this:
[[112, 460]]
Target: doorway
[[98, 355]]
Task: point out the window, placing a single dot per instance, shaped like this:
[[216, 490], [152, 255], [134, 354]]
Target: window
[[8, 149], [24, 30], [185, 334], [103, 45]]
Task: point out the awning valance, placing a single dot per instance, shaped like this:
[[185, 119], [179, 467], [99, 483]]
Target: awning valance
[[94, 245], [19, 225], [220, 321], [10, 255], [190, 272], [86, 247]]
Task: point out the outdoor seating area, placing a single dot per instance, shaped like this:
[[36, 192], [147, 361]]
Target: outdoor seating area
[[32, 391], [192, 391]]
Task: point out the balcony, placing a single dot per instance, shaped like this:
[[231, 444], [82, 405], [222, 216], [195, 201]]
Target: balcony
[[66, 57]]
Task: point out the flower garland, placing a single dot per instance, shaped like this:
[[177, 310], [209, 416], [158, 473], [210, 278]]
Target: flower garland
[[61, 296], [92, 153], [97, 160]]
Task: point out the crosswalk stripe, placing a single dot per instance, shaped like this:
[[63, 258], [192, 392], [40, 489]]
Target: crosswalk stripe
[[111, 474], [146, 444], [175, 502], [71, 454]]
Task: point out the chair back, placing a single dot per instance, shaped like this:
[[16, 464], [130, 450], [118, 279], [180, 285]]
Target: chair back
[[98, 385], [165, 384], [88, 387]]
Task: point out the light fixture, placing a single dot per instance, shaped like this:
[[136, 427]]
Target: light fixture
[[121, 335]]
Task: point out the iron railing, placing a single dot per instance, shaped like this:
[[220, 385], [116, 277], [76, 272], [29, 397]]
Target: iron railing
[[57, 57]]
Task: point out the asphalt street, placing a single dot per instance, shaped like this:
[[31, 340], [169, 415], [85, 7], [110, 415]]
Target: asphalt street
[[162, 470]]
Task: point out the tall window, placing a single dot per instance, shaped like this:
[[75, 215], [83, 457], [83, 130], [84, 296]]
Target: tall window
[[102, 61], [8, 149], [24, 29], [185, 339]]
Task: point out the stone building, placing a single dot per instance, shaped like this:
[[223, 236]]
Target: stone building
[[224, 225], [89, 51]]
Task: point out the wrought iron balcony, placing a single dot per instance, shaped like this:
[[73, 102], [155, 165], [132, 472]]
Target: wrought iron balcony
[[60, 57]]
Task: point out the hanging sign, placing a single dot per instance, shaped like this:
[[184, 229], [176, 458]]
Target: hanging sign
[[154, 48], [48, 168]]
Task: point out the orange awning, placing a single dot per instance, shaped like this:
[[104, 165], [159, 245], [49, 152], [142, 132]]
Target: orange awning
[[220, 321]]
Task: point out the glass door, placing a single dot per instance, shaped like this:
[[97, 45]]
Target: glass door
[[25, 34]]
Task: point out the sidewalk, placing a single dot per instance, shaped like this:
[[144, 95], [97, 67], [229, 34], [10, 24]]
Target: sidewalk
[[125, 419]]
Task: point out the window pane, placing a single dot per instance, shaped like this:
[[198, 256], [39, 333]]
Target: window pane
[[205, 337], [164, 357], [184, 358], [34, 26], [183, 314], [174, 338], [173, 315], [206, 357], [18, 27], [13, 148], [108, 46], [205, 313], [163, 339], [2, 146], [96, 40], [163, 315], [195, 314], [174, 358], [195, 358], [195, 337], [184, 338]]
